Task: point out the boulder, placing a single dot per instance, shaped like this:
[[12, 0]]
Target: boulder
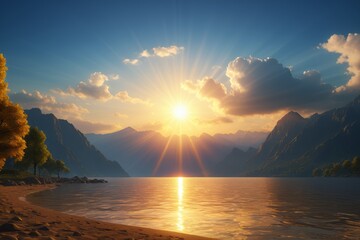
[[9, 182], [9, 227], [32, 180]]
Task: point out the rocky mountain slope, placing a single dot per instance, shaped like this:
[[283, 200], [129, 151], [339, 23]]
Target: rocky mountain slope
[[67, 143]]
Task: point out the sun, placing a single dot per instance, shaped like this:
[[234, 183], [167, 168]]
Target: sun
[[180, 112]]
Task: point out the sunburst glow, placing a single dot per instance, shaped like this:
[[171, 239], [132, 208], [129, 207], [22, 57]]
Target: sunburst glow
[[180, 112]]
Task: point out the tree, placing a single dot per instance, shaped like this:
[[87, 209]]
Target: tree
[[36, 152], [13, 122], [355, 165], [346, 164], [61, 167], [50, 165], [317, 172]]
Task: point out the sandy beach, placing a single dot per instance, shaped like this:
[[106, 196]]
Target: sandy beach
[[20, 219]]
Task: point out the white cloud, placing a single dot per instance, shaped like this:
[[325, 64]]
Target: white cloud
[[123, 96], [167, 51], [131, 61], [98, 79], [95, 87], [349, 50], [145, 54], [206, 88], [47, 104], [114, 77], [156, 52]]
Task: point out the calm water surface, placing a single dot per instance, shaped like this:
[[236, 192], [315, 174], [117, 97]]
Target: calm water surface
[[225, 208]]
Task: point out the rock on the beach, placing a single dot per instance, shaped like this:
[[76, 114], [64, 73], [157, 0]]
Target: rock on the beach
[[77, 233], [8, 182], [9, 227], [34, 234], [32, 180], [44, 228], [8, 237], [97, 181], [17, 219]]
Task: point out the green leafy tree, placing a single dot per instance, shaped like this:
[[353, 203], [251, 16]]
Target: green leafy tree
[[50, 165], [317, 172], [346, 164], [355, 165], [36, 152], [61, 167], [13, 122]]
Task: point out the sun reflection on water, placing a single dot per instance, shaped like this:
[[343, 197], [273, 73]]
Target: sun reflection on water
[[180, 209]]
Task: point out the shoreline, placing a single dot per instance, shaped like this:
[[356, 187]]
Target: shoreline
[[24, 220]]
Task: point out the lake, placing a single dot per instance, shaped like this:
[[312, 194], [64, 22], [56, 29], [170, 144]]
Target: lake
[[224, 208]]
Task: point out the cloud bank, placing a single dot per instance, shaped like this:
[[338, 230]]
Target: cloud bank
[[262, 86], [70, 111], [96, 87], [93, 127], [349, 49], [47, 103], [123, 96]]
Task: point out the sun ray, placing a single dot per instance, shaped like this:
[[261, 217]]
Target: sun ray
[[198, 158], [158, 163], [180, 159]]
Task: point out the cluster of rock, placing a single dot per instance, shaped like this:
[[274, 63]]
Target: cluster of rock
[[48, 180], [77, 179]]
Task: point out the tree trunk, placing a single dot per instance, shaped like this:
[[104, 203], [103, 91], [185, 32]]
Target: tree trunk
[[58, 174], [35, 165]]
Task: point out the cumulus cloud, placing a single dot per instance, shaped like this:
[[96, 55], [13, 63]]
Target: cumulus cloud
[[259, 86], [124, 97], [93, 127], [145, 54], [96, 88], [47, 104], [131, 61], [349, 49], [114, 77], [167, 51], [206, 88], [156, 52]]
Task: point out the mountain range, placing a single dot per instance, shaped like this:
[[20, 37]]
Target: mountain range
[[67, 143], [294, 147], [297, 145], [148, 153]]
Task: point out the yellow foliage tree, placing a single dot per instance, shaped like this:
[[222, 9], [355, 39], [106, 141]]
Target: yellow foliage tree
[[13, 122]]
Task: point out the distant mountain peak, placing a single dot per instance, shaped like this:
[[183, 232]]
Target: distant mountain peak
[[290, 118], [292, 115], [36, 111], [128, 129], [205, 135]]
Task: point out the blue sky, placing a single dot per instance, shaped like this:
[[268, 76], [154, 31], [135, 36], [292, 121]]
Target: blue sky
[[56, 44]]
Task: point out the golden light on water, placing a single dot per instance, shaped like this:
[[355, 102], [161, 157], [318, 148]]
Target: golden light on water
[[180, 209]]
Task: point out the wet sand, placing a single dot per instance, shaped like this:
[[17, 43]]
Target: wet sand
[[20, 219]]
